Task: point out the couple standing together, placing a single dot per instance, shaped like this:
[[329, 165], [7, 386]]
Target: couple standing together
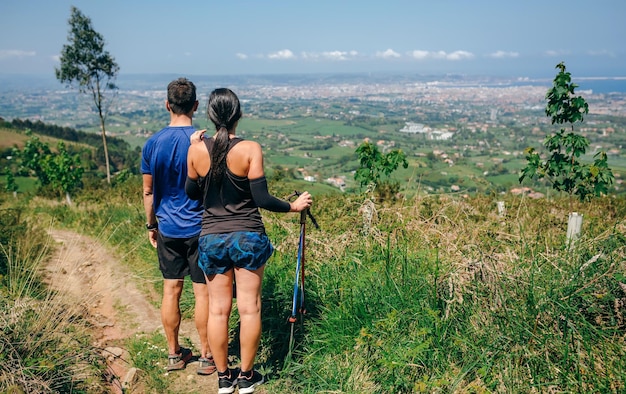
[[202, 196]]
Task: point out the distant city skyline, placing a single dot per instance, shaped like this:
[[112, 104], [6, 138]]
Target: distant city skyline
[[247, 37]]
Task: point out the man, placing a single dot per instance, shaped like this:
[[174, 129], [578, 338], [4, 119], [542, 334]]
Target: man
[[173, 222]]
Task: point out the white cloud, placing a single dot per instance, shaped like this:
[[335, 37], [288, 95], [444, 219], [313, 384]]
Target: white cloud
[[15, 53], [460, 55], [329, 55], [457, 55], [555, 53], [282, 54], [389, 53], [503, 54], [602, 52], [335, 55], [241, 56], [310, 55], [420, 54]]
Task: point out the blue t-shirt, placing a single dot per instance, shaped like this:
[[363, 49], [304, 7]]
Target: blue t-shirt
[[164, 156]]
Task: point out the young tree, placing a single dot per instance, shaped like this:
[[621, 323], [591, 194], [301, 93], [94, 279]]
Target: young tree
[[32, 159], [11, 185], [61, 170], [563, 168], [65, 171], [373, 164], [85, 62]]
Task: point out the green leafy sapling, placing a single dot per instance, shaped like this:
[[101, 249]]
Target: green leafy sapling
[[374, 166], [61, 170], [562, 168], [11, 185]]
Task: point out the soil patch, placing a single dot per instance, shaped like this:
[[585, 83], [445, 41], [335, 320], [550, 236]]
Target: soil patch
[[87, 272]]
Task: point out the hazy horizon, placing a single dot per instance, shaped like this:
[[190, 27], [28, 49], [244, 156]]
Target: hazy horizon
[[131, 81], [517, 39]]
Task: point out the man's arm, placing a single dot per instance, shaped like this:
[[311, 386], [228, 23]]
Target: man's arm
[[149, 208]]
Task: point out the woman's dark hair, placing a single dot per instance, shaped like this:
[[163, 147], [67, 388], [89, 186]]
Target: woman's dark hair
[[224, 110]]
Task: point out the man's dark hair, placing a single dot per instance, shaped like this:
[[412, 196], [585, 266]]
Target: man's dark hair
[[181, 95]]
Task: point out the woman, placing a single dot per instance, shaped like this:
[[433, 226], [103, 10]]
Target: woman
[[227, 174]]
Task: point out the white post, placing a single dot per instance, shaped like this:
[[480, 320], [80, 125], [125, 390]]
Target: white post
[[501, 209], [574, 226]]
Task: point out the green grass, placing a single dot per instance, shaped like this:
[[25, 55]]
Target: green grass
[[429, 294], [45, 340], [26, 184]]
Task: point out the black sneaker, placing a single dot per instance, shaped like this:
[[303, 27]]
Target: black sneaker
[[226, 383], [247, 385]]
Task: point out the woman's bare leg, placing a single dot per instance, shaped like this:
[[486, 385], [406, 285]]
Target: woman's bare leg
[[220, 304], [249, 307]]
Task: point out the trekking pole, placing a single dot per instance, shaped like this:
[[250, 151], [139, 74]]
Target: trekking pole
[[298, 287]]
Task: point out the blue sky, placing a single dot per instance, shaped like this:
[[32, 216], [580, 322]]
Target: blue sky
[[230, 37]]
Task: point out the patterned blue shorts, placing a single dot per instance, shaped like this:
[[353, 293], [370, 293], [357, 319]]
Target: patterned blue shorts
[[242, 249]]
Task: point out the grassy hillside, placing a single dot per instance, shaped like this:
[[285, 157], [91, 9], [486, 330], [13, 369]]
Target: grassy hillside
[[10, 138], [428, 294], [14, 138]]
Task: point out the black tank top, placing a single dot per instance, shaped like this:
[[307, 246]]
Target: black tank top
[[229, 207]]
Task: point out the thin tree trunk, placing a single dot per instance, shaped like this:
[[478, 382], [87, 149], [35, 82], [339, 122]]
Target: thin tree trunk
[[97, 95], [106, 150]]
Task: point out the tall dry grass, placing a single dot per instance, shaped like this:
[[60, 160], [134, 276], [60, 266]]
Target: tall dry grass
[[442, 294], [45, 341], [427, 294]]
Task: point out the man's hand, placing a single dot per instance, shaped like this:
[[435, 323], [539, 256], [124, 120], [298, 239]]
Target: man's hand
[[197, 136], [152, 236]]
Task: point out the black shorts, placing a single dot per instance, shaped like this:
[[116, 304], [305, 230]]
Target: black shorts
[[178, 257]]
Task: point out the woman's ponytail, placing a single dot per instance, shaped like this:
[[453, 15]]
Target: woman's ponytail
[[223, 110]]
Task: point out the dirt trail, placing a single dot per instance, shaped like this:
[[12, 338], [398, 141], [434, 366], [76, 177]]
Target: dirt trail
[[84, 270]]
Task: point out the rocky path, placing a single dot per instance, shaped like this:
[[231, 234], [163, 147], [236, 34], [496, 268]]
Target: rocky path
[[85, 270]]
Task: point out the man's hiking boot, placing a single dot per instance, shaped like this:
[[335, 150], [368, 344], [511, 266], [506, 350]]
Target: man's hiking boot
[[180, 360], [206, 366], [248, 382], [227, 381]]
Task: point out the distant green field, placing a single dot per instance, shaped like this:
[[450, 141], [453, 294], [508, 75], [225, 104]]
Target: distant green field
[[133, 140]]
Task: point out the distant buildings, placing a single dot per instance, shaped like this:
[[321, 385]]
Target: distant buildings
[[516, 191], [339, 182], [432, 134], [411, 127]]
